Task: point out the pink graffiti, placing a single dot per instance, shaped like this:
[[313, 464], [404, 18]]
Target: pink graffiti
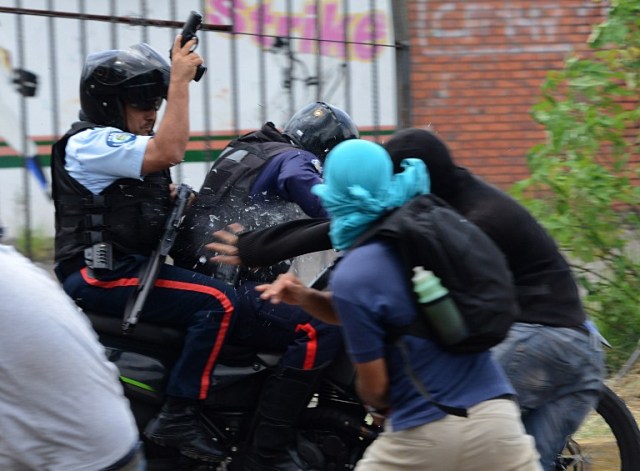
[[363, 29]]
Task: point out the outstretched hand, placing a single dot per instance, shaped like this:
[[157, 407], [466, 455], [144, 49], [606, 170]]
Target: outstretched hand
[[286, 288], [289, 289], [227, 249]]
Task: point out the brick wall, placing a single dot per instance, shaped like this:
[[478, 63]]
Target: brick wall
[[477, 67]]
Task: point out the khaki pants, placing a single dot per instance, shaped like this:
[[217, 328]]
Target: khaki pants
[[492, 438]]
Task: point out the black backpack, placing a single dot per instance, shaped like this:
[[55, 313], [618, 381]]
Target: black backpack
[[222, 200], [429, 233]]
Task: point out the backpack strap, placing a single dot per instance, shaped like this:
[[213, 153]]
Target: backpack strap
[[417, 328], [410, 372], [382, 230]]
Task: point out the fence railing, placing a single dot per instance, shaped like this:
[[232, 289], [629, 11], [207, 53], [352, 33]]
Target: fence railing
[[265, 60]]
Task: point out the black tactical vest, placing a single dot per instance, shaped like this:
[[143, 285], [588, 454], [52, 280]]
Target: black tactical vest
[[129, 213], [225, 197]]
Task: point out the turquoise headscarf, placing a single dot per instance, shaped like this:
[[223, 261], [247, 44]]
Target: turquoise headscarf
[[360, 186]]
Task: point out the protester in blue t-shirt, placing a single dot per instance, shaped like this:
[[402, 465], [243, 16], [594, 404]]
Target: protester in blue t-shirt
[[368, 292]]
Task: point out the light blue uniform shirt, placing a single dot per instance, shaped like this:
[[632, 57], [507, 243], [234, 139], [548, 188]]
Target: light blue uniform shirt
[[97, 157]]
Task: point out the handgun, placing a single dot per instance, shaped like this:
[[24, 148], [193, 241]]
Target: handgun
[[193, 24]]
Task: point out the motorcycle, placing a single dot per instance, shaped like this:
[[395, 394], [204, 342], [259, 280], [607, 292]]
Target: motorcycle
[[333, 431]]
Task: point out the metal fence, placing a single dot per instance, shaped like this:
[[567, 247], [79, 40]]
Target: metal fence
[[265, 59]]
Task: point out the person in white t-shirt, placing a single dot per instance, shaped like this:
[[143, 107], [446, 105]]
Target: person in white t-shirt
[[61, 404]]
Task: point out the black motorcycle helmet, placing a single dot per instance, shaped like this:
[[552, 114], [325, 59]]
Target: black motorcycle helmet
[[319, 127], [138, 76]]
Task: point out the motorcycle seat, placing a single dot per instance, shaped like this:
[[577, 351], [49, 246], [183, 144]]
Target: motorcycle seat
[[143, 332], [167, 339]]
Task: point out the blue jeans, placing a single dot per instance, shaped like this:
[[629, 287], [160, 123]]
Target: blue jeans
[[557, 373]]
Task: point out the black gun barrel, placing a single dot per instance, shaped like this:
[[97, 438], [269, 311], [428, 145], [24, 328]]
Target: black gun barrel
[[151, 270], [193, 24]]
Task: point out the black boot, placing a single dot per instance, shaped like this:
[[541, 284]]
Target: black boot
[[178, 425], [284, 396]]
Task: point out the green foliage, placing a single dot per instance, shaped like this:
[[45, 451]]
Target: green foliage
[[584, 178]]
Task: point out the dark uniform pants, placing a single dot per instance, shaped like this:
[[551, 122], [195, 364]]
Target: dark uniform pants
[[306, 343], [196, 303]]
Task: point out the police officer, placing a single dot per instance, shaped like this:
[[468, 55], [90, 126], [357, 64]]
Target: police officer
[[262, 178], [112, 191]]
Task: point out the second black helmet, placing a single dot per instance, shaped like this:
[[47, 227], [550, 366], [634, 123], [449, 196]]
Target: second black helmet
[[318, 127]]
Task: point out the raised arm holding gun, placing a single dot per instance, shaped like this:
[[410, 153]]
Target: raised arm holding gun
[[112, 190]]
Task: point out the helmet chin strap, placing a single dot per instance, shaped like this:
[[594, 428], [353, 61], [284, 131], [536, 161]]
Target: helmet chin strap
[[291, 141]]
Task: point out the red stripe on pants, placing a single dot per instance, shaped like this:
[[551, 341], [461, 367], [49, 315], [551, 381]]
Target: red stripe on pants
[[312, 345], [183, 286]]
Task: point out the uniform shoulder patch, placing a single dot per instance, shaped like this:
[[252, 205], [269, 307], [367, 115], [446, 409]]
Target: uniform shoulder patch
[[118, 138]]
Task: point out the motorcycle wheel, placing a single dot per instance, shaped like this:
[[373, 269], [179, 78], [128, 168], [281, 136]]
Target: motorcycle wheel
[[608, 439]]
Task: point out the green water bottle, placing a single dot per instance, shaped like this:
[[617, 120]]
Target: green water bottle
[[439, 310]]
